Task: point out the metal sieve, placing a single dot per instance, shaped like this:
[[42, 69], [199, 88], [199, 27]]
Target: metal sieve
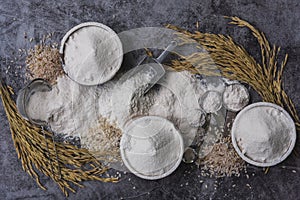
[[24, 95]]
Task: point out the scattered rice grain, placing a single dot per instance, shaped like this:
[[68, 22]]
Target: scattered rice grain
[[43, 61], [222, 160]]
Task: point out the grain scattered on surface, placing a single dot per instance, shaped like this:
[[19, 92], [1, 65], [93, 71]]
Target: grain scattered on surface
[[43, 61]]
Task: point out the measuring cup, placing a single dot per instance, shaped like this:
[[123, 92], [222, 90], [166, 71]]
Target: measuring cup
[[36, 85], [232, 111], [190, 154]]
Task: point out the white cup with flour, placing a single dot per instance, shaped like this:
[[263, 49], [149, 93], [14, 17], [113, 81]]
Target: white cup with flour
[[91, 53]]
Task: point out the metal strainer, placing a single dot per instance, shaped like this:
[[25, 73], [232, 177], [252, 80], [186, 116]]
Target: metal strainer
[[24, 95]]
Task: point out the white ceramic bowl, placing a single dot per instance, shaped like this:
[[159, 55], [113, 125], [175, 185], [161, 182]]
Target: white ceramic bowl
[[112, 36], [142, 151], [238, 135]]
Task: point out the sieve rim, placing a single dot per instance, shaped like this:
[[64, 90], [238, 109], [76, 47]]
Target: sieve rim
[[24, 96]]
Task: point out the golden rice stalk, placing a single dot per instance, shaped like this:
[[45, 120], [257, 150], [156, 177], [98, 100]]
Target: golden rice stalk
[[232, 61], [76, 164]]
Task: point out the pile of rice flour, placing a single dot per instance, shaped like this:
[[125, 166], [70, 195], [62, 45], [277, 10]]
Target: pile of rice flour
[[72, 109]]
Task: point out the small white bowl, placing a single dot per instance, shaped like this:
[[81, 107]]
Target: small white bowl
[[258, 109]]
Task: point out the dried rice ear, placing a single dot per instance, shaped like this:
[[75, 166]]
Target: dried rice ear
[[76, 164], [226, 58]]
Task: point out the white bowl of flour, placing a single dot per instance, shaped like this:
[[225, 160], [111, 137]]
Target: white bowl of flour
[[263, 134], [92, 53], [151, 147]]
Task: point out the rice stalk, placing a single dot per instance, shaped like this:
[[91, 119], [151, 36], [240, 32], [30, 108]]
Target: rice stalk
[[76, 164], [232, 61]]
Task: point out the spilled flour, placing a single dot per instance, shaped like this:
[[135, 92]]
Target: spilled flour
[[66, 107], [74, 110]]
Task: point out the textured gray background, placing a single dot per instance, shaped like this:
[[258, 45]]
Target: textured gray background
[[278, 19]]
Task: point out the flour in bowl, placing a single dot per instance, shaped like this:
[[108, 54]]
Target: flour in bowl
[[92, 55], [263, 133]]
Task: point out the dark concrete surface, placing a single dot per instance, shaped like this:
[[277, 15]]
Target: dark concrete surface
[[278, 19]]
